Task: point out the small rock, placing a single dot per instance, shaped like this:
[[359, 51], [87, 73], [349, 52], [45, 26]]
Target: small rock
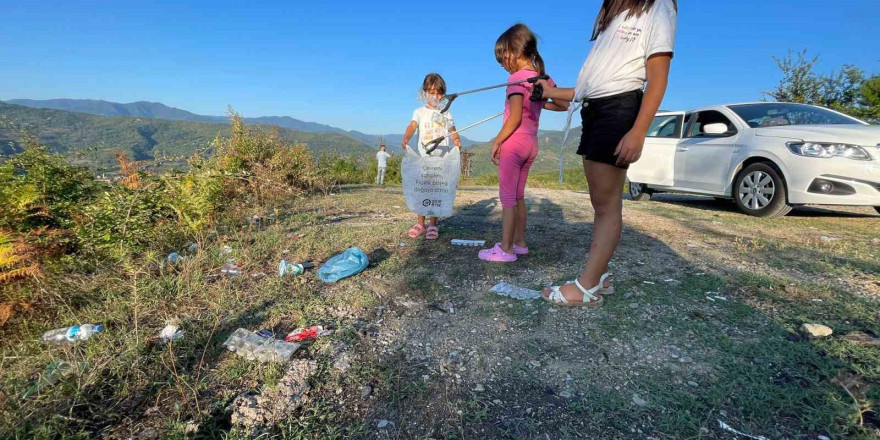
[[366, 390], [479, 388], [815, 330], [638, 401], [875, 241], [382, 424], [565, 395], [191, 427]]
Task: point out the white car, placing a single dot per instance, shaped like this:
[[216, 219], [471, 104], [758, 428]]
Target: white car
[[767, 156]]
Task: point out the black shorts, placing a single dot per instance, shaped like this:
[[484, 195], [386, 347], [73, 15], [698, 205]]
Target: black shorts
[[605, 122]]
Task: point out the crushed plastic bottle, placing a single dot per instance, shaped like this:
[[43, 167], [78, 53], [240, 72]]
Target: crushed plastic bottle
[[72, 334], [509, 290], [458, 242], [174, 258], [231, 268], [307, 334], [54, 373], [226, 250], [287, 268], [252, 346], [193, 248]]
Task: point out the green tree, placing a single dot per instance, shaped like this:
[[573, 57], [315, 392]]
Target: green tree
[[849, 90]]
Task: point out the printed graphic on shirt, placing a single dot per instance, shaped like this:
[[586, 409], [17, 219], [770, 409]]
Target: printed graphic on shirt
[[628, 33]]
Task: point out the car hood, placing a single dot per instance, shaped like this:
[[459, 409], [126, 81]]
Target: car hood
[[865, 135]]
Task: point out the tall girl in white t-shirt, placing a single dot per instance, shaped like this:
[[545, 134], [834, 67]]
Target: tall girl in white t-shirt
[[633, 44]]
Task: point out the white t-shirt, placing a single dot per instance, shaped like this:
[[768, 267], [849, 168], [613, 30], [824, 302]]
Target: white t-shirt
[[616, 62], [432, 125], [382, 157]]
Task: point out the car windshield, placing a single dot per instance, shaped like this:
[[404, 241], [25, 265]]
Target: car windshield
[[774, 114]]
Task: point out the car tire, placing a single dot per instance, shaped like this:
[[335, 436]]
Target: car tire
[[639, 192], [759, 191]]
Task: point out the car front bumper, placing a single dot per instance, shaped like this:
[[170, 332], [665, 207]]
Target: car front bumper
[[854, 182]]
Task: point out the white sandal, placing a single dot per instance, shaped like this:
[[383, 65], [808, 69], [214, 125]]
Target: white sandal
[[603, 290], [557, 298]]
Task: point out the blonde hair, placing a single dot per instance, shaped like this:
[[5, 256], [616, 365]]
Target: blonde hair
[[519, 40]]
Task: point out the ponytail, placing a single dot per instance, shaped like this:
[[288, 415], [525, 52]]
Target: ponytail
[[538, 63]]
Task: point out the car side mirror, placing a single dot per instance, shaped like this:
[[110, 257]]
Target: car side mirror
[[715, 129]]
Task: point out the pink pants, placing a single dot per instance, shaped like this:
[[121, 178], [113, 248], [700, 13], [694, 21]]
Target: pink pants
[[518, 153]]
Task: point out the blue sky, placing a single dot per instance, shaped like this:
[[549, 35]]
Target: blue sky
[[358, 65]]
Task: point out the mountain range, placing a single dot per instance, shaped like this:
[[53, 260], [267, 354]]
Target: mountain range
[[158, 110]]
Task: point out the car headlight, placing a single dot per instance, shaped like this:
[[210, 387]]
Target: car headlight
[[823, 149]]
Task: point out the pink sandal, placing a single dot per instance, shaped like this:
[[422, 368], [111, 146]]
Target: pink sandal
[[497, 255], [416, 231], [520, 250], [433, 232]]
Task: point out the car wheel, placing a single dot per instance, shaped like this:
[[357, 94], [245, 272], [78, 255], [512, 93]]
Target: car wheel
[[759, 191], [639, 192]]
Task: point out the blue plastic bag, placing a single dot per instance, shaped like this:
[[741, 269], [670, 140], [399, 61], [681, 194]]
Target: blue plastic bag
[[346, 264]]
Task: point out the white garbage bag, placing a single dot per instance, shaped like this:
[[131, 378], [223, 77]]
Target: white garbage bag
[[430, 182]]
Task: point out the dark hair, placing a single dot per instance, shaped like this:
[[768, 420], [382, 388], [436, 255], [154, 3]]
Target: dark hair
[[612, 8], [436, 81], [521, 41]]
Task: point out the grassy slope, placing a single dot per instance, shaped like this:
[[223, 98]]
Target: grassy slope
[[94, 138], [748, 367]]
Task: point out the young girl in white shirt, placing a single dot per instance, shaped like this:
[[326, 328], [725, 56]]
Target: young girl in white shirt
[[633, 43]]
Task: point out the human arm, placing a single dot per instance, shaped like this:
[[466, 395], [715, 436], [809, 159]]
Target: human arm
[[629, 149], [456, 139], [410, 129], [560, 94], [510, 125], [556, 105]]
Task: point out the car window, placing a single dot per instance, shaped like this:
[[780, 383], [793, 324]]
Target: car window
[[775, 114], [705, 118], [668, 126]]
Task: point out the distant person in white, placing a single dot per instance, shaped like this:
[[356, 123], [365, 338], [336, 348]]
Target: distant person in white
[[382, 159]]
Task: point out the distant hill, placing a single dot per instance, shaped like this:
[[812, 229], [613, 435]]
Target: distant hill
[[95, 138], [548, 155], [162, 111]]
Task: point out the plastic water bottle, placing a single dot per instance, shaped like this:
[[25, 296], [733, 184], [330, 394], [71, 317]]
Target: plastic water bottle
[[252, 346], [174, 258], [287, 268], [72, 334]]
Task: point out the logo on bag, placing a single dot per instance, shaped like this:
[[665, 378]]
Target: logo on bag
[[429, 202]]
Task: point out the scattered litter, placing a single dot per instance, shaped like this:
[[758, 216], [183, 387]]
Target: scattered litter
[[287, 268], [253, 346], [54, 373], [258, 221], [174, 258], [691, 245], [826, 238], [383, 424], [668, 280], [231, 268], [402, 244], [699, 274], [226, 250], [193, 248], [346, 264], [397, 207], [170, 332], [710, 298], [727, 428], [648, 282], [458, 242], [817, 300], [258, 275], [720, 297], [638, 401], [509, 290], [294, 236], [307, 334], [717, 223], [72, 334]]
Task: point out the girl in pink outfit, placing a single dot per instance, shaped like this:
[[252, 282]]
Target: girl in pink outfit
[[516, 146]]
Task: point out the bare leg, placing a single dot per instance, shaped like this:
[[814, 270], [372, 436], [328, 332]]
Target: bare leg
[[422, 220], [519, 233], [508, 228], [606, 195], [432, 220]]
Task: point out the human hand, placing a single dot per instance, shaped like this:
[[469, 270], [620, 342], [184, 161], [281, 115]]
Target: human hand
[[495, 156], [403, 145], [545, 86], [629, 149]]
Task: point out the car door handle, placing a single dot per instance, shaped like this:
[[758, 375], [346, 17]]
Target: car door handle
[[681, 148]]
